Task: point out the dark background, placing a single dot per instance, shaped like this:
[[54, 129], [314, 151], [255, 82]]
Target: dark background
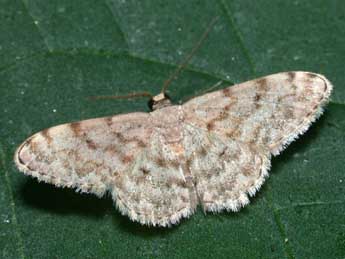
[[54, 54]]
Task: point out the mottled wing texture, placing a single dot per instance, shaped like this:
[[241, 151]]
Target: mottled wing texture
[[214, 150], [269, 112], [125, 155], [156, 192], [87, 155], [224, 171], [241, 126]]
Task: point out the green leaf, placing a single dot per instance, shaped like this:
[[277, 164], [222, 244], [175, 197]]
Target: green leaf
[[54, 54]]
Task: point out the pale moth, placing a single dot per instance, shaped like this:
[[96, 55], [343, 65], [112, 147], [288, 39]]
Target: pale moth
[[213, 151]]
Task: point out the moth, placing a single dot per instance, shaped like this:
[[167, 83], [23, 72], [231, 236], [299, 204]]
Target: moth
[[213, 151]]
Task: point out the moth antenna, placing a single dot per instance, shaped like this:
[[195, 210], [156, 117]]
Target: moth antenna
[[128, 96], [191, 54]]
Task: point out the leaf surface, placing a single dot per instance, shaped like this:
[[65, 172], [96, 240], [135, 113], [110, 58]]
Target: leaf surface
[[56, 54]]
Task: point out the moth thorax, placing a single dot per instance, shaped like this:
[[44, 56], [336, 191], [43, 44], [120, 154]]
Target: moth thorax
[[159, 101]]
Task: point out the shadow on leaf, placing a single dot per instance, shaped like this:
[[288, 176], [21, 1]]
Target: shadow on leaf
[[60, 201], [63, 201], [125, 224], [301, 144]]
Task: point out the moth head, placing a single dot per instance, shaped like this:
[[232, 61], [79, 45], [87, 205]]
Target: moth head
[[159, 101]]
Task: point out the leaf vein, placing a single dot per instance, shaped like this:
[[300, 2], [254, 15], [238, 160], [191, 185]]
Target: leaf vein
[[85, 51], [281, 230], [239, 36], [310, 204], [35, 22], [123, 35]]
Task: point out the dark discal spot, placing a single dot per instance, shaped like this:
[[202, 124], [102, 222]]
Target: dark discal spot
[[257, 97], [109, 121], [291, 76], [76, 128], [91, 144], [227, 92], [160, 162], [144, 170], [262, 84], [229, 134], [45, 134], [127, 159], [140, 143], [227, 107], [210, 125], [222, 153], [120, 137]]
